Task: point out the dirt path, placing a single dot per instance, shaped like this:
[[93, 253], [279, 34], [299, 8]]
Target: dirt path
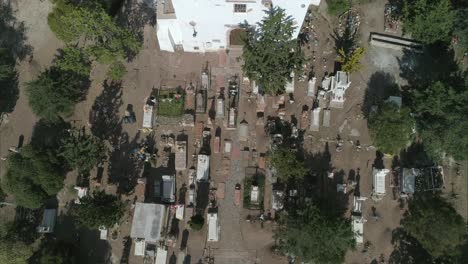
[[44, 43]]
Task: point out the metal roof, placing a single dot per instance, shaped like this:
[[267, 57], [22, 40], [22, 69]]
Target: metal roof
[[148, 221]]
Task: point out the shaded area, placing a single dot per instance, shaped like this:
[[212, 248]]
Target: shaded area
[[127, 246], [415, 156], [407, 249], [9, 92], [320, 187], [345, 40], [90, 249], [380, 86], [184, 240], [13, 37], [124, 166], [137, 15], [104, 118], [436, 63], [13, 46], [203, 191]]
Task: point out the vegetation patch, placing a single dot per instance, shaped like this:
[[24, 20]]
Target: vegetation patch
[[171, 103], [249, 182]]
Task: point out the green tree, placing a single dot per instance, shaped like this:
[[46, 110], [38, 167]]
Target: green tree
[[31, 178], [106, 41], [313, 238], [287, 165], [100, 209], [350, 62], [55, 93], [338, 7], [428, 21], [14, 252], [270, 54], [440, 110], [391, 128], [196, 222], [75, 60], [435, 224], [116, 71], [82, 151]]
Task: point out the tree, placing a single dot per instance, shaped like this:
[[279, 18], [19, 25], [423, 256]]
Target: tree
[[100, 209], [196, 222], [311, 237], [116, 71], [338, 7], [428, 21], [270, 55], [440, 110], [286, 163], [14, 252], [31, 178], [350, 62], [435, 224], [391, 128], [82, 151], [107, 42], [55, 93], [75, 60]]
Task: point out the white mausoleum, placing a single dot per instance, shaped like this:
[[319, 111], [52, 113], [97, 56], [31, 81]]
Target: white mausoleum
[[205, 25]]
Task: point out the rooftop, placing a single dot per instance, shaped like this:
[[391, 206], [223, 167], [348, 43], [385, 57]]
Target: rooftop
[[148, 221]]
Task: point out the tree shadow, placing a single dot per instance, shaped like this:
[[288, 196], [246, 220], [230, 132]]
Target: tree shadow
[[127, 246], [321, 188], [407, 249], [9, 92], [378, 161], [105, 121], [92, 249], [202, 199], [124, 167], [184, 240], [173, 259], [380, 86], [137, 16], [13, 37], [415, 156], [23, 227], [345, 40], [435, 63]]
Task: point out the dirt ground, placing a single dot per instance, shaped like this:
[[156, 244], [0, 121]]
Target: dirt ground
[[240, 241]]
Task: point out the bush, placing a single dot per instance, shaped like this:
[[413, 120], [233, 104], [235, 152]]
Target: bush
[[256, 180], [100, 209], [338, 7], [196, 222], [170, 104], [116, 71]]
